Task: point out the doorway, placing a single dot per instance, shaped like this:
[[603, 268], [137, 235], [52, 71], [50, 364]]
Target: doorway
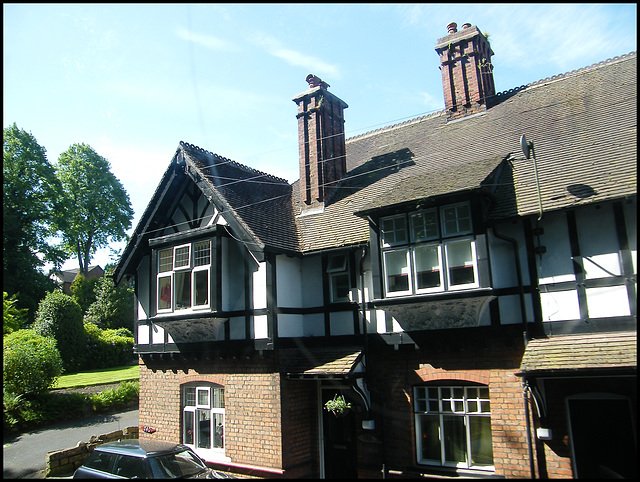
[[338, 438], [603, 437]]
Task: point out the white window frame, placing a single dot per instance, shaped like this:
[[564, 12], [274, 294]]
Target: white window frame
[[433, 289], [441, 238], [190, 270], [466, 407], [212, 453], [337, 267], [473, 264]]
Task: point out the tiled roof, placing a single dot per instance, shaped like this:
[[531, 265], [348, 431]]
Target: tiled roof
[[582, 124], [255, 198], [334, 362], [579, 352]]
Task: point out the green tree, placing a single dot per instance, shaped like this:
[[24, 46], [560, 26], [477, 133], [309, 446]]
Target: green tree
[[83, 291], [30, 363], [31, 197], [59, 317], [113, 307], [13, 318], [98, 207]]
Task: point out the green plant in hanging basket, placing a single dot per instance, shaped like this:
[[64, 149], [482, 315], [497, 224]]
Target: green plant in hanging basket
[[338, 405]]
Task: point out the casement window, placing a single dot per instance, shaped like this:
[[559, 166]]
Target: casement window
[[183, 277], [203, 419], [453, 426], [428, 251], [338, 271]]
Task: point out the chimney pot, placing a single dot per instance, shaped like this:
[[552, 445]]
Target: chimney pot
[[452, 27], [315, 81], [466, 25]]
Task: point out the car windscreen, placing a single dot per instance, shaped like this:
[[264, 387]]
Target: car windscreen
[[181, 464]]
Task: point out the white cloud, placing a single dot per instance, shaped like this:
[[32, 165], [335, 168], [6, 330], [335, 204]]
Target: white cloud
[[206, 41], [293, 57]]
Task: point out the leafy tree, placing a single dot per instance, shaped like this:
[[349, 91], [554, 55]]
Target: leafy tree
[[31, 197], [113, 307], [59, 316], [13, 318], [98, 207], [30, 363], [83, 291]]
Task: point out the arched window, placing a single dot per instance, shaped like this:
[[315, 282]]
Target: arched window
[[203, 418], [453, 426]]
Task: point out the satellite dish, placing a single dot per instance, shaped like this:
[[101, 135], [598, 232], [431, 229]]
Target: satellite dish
[[526, 146]]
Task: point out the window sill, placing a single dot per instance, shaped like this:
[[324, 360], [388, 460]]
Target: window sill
[[434, 296]]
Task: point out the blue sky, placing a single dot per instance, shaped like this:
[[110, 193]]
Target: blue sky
[[133, 80]]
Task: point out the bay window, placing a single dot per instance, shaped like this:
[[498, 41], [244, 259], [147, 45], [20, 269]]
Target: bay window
[[428, 251], [453, 426], [183, 277]]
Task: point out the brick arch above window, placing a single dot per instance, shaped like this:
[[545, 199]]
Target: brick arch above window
[[428, 374], [197, 378]]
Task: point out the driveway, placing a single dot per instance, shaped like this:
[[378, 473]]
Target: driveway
[[24, 454]]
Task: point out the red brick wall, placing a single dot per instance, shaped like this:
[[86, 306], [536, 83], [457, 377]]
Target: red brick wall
[[396, 373], [252, 406]]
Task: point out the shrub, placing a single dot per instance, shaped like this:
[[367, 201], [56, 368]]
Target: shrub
[[13, 318], [31, 363], [83, 291], [59, 316], [106, 348], [113, 307], [114, 398]]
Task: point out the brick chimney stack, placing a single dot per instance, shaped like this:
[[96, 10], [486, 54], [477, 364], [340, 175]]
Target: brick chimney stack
[[467, 73], [321, 141]]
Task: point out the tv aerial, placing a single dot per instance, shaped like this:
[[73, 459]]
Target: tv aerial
[[528, 151]]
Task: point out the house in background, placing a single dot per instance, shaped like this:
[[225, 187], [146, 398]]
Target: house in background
[[64, 278], [466, 280]]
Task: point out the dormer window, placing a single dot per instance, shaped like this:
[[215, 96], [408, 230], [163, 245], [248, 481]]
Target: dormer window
[[183, 277], [429, 250]]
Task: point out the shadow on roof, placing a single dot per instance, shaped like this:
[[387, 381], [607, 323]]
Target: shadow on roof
[[371, 172]]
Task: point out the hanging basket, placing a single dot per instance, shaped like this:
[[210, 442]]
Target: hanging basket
[[338, 406]]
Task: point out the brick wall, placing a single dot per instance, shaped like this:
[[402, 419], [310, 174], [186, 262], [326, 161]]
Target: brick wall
[[252, 405], [397, 372]]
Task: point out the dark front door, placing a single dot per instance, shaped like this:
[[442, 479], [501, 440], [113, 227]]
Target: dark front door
[[603, 438], [339, 441]]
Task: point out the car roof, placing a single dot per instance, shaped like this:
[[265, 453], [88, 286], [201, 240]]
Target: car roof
[[137, 448]]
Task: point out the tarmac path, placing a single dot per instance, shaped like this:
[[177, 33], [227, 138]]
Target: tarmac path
[[24, 454]]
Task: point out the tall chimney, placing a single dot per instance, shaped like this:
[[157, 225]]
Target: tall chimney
[[467, 73], [321, 141]]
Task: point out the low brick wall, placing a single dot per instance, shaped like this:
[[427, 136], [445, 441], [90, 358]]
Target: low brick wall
[[61, 463]]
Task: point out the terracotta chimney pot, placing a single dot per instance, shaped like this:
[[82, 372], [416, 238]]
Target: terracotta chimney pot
[[466, 25], [452, 27]]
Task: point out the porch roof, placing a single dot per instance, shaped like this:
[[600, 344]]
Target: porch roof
[[325, 363], [568, 353]]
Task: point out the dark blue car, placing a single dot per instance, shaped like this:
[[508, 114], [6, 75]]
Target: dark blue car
[[134, 459]]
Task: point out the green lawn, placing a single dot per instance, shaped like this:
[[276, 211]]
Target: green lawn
[[98, 377]]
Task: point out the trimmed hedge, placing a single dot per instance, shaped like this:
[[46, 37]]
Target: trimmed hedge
[[30, 363], [59, 316], [107, 348]]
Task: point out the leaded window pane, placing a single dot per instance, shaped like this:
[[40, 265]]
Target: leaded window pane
[[201, 253], [424, 225], [165, 260], [181, 257], [394, 231]]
